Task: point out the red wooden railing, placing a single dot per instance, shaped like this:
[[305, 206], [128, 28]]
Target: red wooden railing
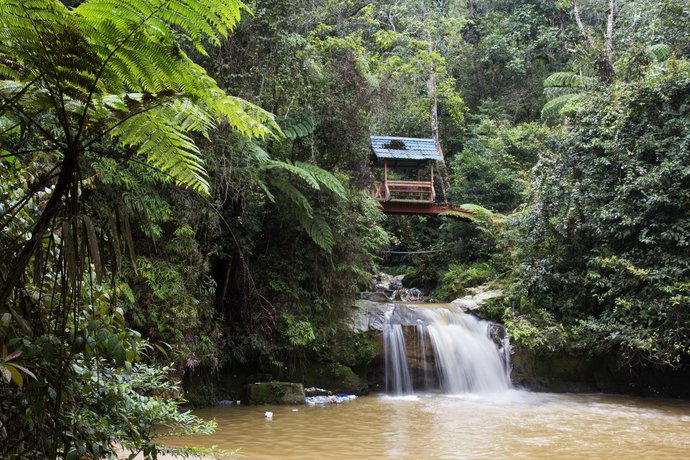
[[405, 190]]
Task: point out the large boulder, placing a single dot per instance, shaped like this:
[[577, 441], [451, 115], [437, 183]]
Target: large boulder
[[473, 302], [368, 315], [275, 393], [375, 296]]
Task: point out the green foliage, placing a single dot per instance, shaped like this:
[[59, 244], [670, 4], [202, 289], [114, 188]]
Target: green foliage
[[12, 371], [133, 82], [299, 333], [604, 244], [507, 52], [537, 330], [460, 277], [491, 170], [92, 371], [86, 90]]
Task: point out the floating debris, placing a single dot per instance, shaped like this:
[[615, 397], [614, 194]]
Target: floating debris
[[332, 399]]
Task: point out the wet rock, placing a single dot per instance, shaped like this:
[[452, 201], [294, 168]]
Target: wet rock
[[368, 315], [472, 302], [387, 283], [314, 391], [275, 393], [375, 296], [395, 285]]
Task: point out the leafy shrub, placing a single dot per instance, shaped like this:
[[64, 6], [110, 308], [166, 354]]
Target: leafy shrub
[[460, 277], [536, 331]]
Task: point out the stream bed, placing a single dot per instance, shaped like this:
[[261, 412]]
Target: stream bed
[[511, 424]]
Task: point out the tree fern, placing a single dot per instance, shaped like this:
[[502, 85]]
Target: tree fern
[[105, 49], [295, 170], [311, 175], [563, 91], [660, 51], [113, 68], [302, 208], [559, 105]]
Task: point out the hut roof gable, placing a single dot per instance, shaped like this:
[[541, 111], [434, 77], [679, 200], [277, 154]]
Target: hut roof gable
[[404, 148]]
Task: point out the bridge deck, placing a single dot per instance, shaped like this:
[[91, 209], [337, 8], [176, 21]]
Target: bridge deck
[[421, 207]]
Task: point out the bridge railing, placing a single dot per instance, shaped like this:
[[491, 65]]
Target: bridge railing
[[422, 191]]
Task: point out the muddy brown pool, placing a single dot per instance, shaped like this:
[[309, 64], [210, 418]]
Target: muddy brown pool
[[512, 424]]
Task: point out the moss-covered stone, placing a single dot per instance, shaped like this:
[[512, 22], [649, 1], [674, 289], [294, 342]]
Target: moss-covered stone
[[335, 377], [275, 393]]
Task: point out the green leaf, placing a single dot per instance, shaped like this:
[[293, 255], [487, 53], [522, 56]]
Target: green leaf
[[16, 376]]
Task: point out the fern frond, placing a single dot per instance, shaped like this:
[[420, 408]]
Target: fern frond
[[298, 171], [247, 118], [660, 52], [259, 154], [568, 80], [325, 178], [551, 92], [319, 231], [165, 145], [297, 127], [94, 59], [477, 214], [558, 106], [295, 196], [201, 20]]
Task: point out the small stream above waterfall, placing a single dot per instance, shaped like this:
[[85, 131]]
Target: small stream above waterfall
[[436, 349]]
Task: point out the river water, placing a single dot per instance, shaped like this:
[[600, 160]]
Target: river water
[[510, 424]]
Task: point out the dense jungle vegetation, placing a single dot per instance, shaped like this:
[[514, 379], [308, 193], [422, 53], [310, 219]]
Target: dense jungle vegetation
[[185, 191]]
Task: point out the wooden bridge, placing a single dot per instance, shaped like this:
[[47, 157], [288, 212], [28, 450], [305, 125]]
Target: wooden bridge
[[410, 157]]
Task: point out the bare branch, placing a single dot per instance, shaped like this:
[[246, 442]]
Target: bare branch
[[581, 26]]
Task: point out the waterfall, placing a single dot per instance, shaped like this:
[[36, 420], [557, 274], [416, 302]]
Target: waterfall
[[398, 380], [454, 349]]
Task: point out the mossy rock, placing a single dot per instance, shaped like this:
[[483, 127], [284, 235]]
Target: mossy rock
[[275, 393], [335, 377]]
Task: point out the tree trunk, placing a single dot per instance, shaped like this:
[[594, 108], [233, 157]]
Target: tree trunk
[[605, 60], [43, 223], [433, 117]]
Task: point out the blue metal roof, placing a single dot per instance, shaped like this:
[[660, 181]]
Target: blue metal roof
[[404, 148]]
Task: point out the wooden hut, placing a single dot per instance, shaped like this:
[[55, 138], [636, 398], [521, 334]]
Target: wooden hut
[[407, 154]]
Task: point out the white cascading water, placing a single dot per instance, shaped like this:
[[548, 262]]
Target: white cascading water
[[465, 357], [420, 341], [398, 381]]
